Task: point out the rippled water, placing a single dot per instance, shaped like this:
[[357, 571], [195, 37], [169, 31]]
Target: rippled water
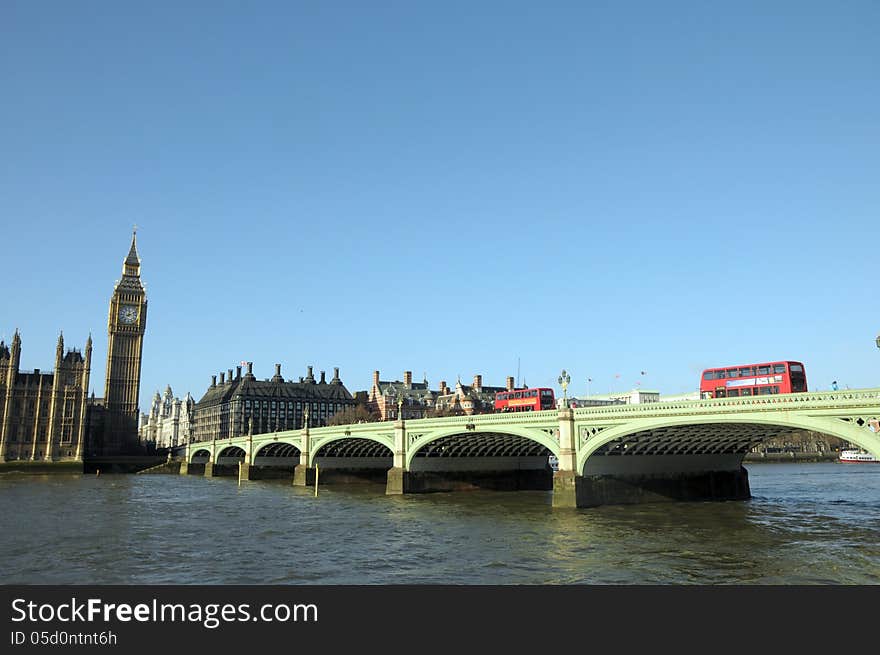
[[806, 524]]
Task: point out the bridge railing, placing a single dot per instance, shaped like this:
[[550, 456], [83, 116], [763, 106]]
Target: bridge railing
[[774, 402], [750, 403]]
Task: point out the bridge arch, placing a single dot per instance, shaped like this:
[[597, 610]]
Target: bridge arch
[[348, 445], [277, 449], [353, 447], [202, 455], [506, 441], [691, 435], [235, 453]]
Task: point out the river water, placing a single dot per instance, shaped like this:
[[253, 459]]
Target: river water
[[806, 524]]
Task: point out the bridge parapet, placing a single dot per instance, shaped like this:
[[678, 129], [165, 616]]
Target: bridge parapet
[[774, 402]]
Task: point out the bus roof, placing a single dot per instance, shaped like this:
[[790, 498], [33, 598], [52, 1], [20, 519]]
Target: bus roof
[[781, 361]]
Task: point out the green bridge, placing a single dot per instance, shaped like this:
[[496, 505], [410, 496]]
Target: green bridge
[[606, 455]]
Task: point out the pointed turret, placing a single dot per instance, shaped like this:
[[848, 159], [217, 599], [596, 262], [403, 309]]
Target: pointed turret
[[87, 367], [59, 351], [132, 261]]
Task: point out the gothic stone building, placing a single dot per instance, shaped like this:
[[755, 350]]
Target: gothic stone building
[[43, 416], [126, 324], [230, 405], [49, 416], [169, 422]]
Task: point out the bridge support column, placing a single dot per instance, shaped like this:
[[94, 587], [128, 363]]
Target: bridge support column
[[398, 482], [398, 477], [184, 467], [244, 470], [566, 481], [566, 485], [303, 476], [209, 468]]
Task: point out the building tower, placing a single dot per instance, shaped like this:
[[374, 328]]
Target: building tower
[[126, 323]]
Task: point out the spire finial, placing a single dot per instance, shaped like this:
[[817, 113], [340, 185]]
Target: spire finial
[[132, 260]]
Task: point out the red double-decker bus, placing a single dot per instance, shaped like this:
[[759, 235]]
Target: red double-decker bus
[[753, 380], [524, 400]]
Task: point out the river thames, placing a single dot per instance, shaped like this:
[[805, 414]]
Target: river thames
[[805, 524]]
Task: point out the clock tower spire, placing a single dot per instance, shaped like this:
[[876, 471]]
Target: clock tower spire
[[126, 324]]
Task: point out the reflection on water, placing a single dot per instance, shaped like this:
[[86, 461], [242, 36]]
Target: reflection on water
[[806, 524]]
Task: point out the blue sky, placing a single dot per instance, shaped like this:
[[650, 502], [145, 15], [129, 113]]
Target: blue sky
[[449, 188]]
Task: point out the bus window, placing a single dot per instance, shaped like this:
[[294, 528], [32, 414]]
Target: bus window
[[720, 392], [746, 372], [765, 391], [779, 368], [764, 370], [708, 375], [720, 375], [733, 372], [732, 393], [747, 391], [797, 368]]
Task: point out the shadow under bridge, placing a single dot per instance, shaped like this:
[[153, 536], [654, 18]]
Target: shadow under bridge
[[352, 460], [480, 460]]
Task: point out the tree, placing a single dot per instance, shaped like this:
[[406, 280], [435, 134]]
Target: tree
[[359, 413]]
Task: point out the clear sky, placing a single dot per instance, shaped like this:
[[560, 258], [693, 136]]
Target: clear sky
[[447, 187]]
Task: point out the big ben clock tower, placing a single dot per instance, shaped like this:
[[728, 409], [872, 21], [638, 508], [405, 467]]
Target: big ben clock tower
[[126, 324]]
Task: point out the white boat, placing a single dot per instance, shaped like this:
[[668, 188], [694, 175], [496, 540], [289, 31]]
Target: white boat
[[857, 457]]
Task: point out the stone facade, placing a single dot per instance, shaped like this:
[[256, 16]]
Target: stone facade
[[170, 421], [43, 416], [384, 396], [126, 325], [419, 401], [231, 406], [469, 399]]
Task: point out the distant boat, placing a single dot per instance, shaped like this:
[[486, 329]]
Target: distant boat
[[857, 457]]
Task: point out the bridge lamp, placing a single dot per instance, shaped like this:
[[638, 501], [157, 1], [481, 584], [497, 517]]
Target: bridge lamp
[[878, 340], [563, 380]]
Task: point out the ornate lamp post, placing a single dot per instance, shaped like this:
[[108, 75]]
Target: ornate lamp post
[[400, 407], [563, 380]]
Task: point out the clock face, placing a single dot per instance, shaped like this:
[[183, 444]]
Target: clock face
[[128, 314]]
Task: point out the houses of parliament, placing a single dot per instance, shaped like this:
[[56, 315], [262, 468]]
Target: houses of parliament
[[50, 417]]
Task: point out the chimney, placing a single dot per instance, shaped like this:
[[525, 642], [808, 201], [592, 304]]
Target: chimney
[[510, 383], [222, 378], [407, 379], [213, 380], [278, 369], [442, 387], [375, 378], [250, 366], [335, 375], [478, 382], [230, 376], [277, 377], [323, 379], [238, 372], [311, 375], [301, 379]]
